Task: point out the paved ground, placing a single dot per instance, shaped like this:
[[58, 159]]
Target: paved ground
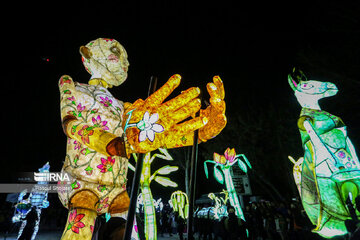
[[55, 235], [41, 236]]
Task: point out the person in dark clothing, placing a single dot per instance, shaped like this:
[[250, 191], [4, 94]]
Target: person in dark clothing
[[99, 223], [218, 229], [180, 225], [235, 227], [249, 224], [164, 222], [257, 221], [31, 219], [208, 227], [113, 229]]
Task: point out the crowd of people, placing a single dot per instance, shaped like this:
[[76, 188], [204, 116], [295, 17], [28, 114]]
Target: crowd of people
[[265, 220]]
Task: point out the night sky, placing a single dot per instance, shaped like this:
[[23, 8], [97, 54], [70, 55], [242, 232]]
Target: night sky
[[252, 48]]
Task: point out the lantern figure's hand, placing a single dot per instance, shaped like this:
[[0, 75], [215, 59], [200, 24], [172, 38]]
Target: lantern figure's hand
[[215, 112], [151, 124]]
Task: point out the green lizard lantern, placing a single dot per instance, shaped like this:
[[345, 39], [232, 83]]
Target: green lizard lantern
[[329, 172]]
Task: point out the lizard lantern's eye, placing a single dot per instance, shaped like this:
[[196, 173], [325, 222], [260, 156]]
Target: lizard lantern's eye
[[306, 86]]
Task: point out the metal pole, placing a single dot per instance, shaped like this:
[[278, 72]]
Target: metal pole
[[136, 183], [194, 154], [133, 197]]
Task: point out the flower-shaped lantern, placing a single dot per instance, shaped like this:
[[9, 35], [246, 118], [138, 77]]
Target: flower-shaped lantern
[[222, 166]]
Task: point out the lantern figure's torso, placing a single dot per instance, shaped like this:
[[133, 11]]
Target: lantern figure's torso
[[327, 177], [103, 175]]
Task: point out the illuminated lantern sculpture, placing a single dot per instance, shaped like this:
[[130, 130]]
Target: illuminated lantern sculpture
[[98, 147], [297, 171], [146, 195], [216, 212], [22, 208], [37, 199], [329, 172], [180, 203], [220, 208], [223, 163]]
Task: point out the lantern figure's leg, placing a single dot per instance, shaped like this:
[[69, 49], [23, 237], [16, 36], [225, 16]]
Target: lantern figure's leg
[[234, 200], [36, 228], [79, 224], [22, 226], [149, 210]]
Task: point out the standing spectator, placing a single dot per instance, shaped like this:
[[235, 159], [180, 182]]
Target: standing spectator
[[208, 229], [161, 224], [165, 222], [256, 221], [249, 222], [180, 222], [218, 228], [298, 223], [269, 225], [280, 223], [173, 223], [235, 227], [284, 220]]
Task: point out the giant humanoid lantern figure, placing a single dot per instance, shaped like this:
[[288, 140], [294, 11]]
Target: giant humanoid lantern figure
[[98, 147], [329, 172]]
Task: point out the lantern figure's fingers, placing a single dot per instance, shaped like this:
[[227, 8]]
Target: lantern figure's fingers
[[217, 94], [218, 105], [160, 95], [179, 101], [219, 84], [216, 88], [213, 128], [189, 126], [186, 111], [215, 112]]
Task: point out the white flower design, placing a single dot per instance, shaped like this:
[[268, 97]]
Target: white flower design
[[148, 127]]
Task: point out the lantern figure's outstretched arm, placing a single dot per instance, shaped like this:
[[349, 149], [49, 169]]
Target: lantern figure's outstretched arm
[[155, 123], [322, 150], [150, 123]]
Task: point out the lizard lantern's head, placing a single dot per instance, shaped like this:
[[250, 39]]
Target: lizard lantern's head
[[105, 59], [309, 92]]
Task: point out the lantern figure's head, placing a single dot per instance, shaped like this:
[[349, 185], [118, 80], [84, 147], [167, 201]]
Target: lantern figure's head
[[309, 92], [312, 87], [105, 59]]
